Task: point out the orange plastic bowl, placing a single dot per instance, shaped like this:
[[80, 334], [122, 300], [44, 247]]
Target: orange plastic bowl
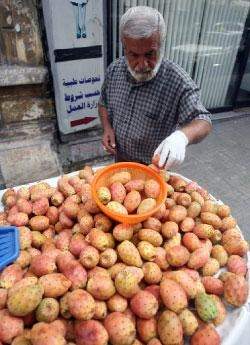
[[137, 171]]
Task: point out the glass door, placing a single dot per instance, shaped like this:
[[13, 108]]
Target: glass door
[[238, 94], [243, 98], [243, 92]]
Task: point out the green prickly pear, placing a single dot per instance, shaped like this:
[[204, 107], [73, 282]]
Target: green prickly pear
[[206, 307], [104, 195], [25, 300]]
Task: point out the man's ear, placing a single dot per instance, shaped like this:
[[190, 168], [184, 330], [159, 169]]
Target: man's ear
[[123, 43]]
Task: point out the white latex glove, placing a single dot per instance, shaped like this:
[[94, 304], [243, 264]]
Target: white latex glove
[[172, 150]]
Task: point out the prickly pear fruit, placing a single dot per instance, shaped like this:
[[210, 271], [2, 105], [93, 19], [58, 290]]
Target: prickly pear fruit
[[25, 300], [236, 290], [206, 307], [116, 207], [104, 195], [129, 254]]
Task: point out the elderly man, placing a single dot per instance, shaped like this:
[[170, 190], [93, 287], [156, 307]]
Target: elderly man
[[149, 105]]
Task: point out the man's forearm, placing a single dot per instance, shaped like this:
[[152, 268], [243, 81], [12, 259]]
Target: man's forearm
[[196, 130], [103, 113]]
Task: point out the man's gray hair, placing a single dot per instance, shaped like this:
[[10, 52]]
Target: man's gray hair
[[142, 22]]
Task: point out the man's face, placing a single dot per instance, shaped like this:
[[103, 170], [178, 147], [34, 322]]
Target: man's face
[[143, 56]]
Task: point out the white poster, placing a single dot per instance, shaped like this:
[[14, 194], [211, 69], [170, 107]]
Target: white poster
[[75, 38]]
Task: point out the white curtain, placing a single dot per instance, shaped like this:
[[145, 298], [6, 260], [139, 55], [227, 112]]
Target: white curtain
[[203, 36]]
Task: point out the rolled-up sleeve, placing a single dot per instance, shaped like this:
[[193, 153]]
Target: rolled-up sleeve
[[190, 106], [205, 117]]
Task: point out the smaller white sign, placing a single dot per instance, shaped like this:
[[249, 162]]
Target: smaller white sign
[[75, 37]]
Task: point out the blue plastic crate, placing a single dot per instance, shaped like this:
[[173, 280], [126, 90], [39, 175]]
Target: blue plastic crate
[[9, 245]]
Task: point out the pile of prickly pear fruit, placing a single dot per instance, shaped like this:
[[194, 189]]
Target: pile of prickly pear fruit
[[126, 195], [84, 279]]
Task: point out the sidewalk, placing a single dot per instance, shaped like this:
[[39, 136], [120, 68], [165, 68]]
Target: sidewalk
[[221, 164]]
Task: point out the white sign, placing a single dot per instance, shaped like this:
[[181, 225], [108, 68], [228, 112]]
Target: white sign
[[75, 38]]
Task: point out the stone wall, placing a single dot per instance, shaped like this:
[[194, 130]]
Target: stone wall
[[24, 89], [20, 37]]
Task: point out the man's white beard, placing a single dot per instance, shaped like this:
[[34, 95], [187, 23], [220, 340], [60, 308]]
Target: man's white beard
[[149, 73]]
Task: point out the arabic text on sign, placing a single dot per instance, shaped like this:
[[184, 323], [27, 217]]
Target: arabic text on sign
[[73, 98], [83, 105], [73, 82]]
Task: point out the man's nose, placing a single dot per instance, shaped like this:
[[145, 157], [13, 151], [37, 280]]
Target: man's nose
[[142, 63]]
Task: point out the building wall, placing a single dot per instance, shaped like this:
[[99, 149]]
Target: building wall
[[24, 90], [20, 37]]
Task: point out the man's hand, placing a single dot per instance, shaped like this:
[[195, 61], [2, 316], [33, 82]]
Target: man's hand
[[108, 140], [172, 150]]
